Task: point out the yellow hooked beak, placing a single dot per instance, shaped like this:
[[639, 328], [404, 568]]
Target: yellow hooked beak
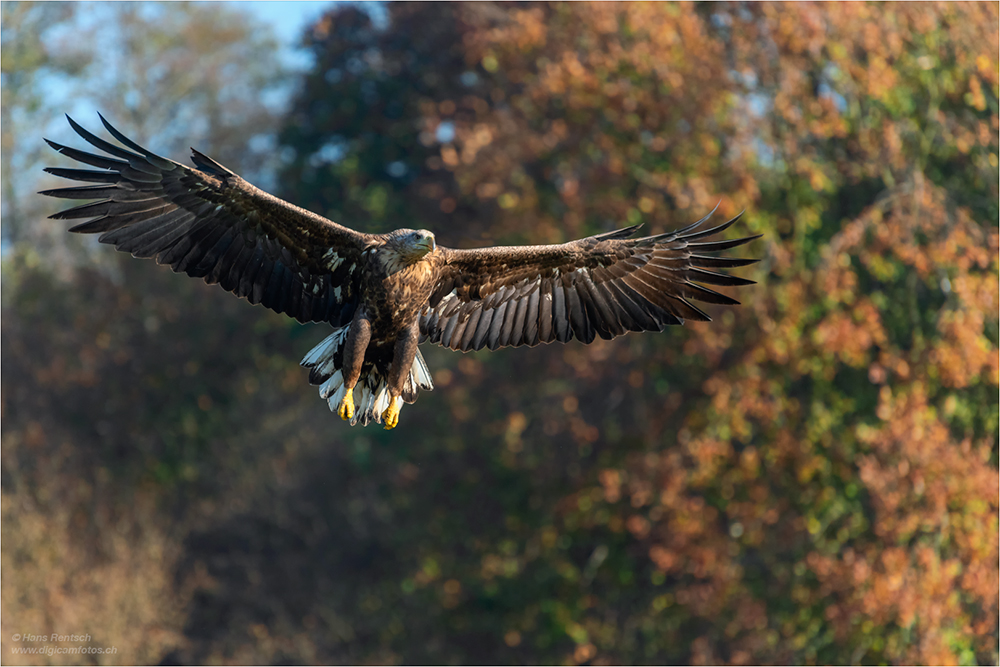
[[427, 243]]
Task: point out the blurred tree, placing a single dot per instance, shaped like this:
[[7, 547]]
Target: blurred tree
[[98, 449], [770, 523], [175, 74], [189, 73], [27, 63], [358, 135]]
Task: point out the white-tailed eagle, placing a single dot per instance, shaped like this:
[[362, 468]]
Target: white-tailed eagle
[[385, 293]]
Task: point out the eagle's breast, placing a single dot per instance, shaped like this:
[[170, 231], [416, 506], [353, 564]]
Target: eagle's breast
[[394, 300]]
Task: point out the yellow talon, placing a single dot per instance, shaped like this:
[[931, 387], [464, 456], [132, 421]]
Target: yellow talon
[[391, 415], [346, 408]]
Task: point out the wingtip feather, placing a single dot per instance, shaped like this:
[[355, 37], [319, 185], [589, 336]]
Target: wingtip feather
[[699, 223], [623, 233]]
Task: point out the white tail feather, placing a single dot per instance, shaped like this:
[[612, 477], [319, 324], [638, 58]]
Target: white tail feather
[[371, 394], [331, 386], [336, 397], [382, 400], [326, 349], [421, 373]]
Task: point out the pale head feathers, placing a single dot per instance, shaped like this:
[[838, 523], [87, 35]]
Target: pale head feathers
[[405, 247]]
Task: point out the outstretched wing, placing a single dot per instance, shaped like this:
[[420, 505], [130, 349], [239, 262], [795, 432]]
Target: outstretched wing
[[604, 285], [210, 223]]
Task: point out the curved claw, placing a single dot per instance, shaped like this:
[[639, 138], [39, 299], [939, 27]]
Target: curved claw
[[346, 407], [391, 415]]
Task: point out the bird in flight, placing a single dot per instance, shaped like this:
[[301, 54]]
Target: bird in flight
[[385, 293]]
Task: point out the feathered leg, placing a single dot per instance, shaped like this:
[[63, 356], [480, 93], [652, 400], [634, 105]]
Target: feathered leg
[[402, 359], [354, 356]]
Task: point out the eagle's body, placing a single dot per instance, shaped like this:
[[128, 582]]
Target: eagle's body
[[384, 293]]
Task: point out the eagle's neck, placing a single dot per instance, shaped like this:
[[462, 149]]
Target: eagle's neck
[[392, 260]]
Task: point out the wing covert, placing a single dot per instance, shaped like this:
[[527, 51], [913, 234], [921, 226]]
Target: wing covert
[[210, 223], [604, 285]]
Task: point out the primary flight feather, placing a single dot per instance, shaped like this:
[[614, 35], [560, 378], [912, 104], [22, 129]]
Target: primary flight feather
[[385, 293]]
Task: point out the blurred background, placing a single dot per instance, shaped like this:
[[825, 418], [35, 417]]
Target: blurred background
[[810, 478]]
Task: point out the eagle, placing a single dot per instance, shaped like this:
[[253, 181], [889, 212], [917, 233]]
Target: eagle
[[383, 294]]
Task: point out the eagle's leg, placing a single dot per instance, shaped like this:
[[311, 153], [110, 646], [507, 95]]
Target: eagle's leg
[[403, 354], [354, 356], [391, 415]]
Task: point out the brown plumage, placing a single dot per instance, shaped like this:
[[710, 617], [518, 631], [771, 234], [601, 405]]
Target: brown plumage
[[385, 293]]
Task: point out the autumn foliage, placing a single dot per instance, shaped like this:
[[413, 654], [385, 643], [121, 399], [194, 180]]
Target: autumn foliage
[[810, 478]]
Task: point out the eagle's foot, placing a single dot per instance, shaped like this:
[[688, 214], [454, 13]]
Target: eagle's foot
[[391, 415], [346, 407]]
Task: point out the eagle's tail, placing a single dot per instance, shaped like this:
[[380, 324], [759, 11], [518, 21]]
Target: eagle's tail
[[371, 394]]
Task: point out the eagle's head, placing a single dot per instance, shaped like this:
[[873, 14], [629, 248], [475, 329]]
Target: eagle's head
[[405, 247]]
